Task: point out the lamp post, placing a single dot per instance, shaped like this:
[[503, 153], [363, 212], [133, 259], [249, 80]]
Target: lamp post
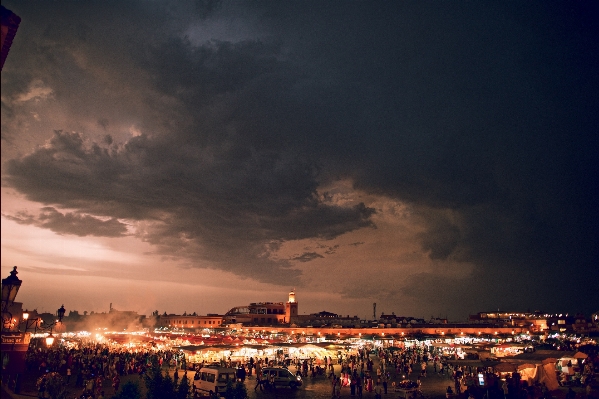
[[15, 342], [49, 340], [38, 324], [30, 323], [10, 288]]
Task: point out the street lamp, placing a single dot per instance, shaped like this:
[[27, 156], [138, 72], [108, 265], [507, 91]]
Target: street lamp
[[30, 323], [60, 313], [15, 343], [10, 288], [37, 324]]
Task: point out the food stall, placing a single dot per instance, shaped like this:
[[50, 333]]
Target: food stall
[[545, 362], [406, 388], [570, 368], [503, 369], [507, 349], [450, 350], [528, 372]]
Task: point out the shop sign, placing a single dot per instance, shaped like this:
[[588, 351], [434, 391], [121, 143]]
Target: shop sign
[[16, 338]]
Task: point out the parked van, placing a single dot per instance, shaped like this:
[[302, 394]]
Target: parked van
[[282, 377], [214, 379]]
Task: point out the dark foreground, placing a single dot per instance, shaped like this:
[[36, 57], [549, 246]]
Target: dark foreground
[[433, 387]]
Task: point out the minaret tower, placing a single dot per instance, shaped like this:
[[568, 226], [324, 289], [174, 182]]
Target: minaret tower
[[291, 307]]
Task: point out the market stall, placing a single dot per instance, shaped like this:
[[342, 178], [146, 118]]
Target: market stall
[[547, 375], [570, 368], [450, 350], [507, 349], [207, 354], [528, 372], [505, 368], [406, 389]]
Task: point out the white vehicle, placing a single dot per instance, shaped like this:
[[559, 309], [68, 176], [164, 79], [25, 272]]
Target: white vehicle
[[281, 376], [214, 379]]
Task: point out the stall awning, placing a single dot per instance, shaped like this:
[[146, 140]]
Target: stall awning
[[505, 367], [526, 366], [540, 356]]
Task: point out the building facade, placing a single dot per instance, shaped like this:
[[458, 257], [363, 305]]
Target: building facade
[[535, 321], [264, 313], [190, 322]]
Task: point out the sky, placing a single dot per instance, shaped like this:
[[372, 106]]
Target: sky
[[436, 158]]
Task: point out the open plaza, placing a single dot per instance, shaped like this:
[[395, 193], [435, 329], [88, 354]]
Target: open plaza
[[313, 356]]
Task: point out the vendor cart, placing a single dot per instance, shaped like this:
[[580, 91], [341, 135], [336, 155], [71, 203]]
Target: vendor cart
[[410, 393], [407, 389]]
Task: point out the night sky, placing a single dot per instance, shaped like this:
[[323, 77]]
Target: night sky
[[436, 158]]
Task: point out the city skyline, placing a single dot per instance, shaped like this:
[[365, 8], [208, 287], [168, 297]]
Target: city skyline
[[372, 316], [438, 159]]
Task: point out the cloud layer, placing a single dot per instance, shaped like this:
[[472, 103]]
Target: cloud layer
[[264, 138]]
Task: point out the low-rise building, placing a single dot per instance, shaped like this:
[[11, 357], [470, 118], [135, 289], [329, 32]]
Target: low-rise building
[[392, 320], [191, 322], [327, 319], [264, 313], [532, 321], [257, 313]]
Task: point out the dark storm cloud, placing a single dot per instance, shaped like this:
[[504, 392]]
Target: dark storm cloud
[[71, 223], [88, 57], [440, 239], [487, 110], [202, 203]]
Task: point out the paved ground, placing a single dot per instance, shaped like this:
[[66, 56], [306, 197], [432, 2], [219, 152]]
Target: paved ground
[[433, 387], [319, 387]]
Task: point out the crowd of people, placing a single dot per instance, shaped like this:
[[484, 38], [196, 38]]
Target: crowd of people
[[91, 367]]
